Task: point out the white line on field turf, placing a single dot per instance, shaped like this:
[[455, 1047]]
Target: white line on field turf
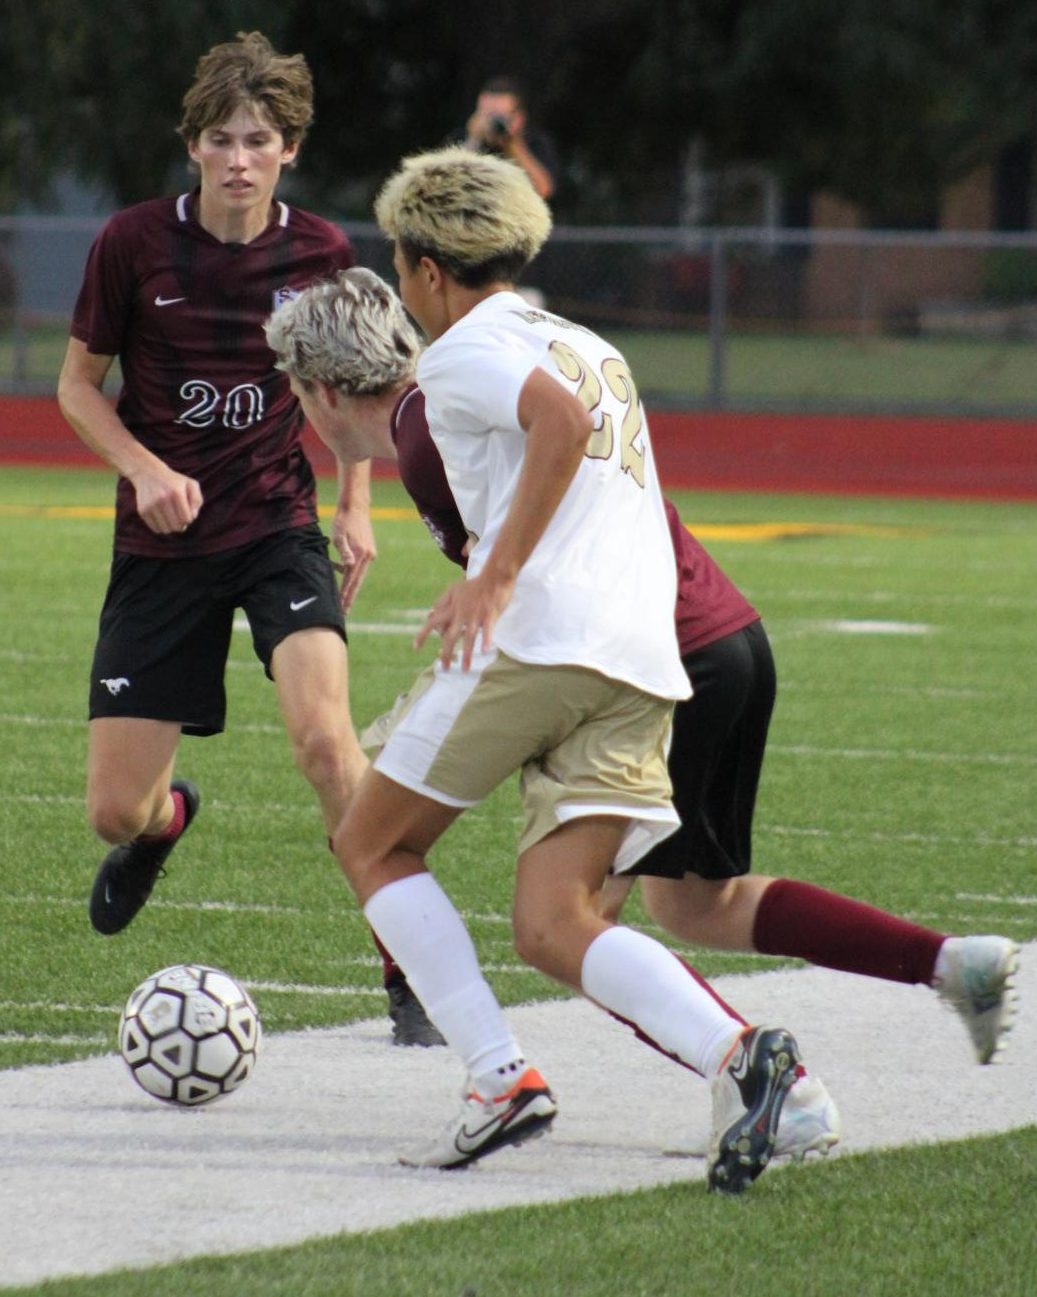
[[46, 1038], [886, 690], [910, 597], [812, 750], [845, 626], [994, 899], [904, 754], [927, 839], [49, 1006], [977, 842], [229, 907], [307, 1147]]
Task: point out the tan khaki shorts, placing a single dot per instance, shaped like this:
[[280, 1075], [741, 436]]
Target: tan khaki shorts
[[585, 744]]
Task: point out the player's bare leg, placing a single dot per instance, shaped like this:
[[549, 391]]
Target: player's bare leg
[[975, 975], [134, 803], [382, 845], [129, 768], [311, 673], [560, 929]]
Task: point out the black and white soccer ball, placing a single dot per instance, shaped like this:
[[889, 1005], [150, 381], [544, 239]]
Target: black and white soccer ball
[[189, 1034]]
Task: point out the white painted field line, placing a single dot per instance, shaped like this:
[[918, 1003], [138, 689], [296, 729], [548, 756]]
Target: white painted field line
[[916, 601], [307, 1148], [48, 1038], [1021, 759], [905, 754], [847, 626], [50, 1006], [994, 899], [227, 907], [925, 693], [979, 841]]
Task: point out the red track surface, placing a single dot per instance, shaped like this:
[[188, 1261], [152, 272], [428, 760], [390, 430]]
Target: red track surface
[[860, 454]]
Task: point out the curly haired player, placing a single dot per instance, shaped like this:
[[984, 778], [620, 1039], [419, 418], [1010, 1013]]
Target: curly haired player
[[351, 354]]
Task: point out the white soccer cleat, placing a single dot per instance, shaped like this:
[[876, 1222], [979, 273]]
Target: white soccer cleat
[[748, 1097], [810, 1121], [484, 1125], [978, 982]]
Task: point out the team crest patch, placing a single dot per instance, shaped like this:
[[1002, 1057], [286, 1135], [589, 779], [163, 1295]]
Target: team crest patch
[[282, 295]]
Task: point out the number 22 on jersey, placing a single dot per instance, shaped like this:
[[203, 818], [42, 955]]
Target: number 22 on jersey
[[590, 391]]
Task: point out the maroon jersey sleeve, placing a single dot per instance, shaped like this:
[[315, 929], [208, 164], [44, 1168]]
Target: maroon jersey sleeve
[[184, 313], [709, 604], [424, 477]]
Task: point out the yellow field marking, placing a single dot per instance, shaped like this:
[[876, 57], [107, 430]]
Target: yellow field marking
[[104, 511], [56, 511], [760, 531], [751, 532]]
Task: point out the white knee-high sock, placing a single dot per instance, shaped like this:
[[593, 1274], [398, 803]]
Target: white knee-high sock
[[417, 922], [645, 984]]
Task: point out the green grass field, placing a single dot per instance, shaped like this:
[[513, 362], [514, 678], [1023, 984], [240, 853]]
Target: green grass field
[[902, 769], [833, 370]]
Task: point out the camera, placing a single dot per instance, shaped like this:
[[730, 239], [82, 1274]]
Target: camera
[[499, 126]]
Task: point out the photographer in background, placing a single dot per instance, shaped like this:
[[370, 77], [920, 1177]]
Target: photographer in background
[[500, 125]]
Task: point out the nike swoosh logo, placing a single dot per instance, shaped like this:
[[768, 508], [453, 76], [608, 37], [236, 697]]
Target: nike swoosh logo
[[168, 301], [296, 604], [466, 1141]]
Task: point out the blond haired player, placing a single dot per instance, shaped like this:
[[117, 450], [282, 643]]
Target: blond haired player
[[566, 668]]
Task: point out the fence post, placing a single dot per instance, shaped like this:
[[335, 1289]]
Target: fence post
[[717, 322]]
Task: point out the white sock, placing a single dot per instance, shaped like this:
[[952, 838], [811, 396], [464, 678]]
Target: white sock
[[940, 967], [417, 923], [644, 983]]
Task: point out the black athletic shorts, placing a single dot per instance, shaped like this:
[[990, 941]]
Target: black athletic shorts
[[719, 737], [166, 624]]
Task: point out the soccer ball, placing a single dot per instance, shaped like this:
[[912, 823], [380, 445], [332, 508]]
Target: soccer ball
[[190, 1033]]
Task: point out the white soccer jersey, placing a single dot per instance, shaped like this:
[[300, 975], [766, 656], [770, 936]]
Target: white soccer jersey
[[599, 589]]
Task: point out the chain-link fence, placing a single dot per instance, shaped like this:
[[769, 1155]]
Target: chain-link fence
[[838, 320]]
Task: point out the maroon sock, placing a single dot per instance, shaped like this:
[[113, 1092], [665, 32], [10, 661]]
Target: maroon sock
[[731, 1013], [175, 826], [390, 968], [810, 923]]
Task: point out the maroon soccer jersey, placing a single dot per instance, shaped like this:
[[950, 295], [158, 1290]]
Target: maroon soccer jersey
[[184, 313], [424, 477], [709, 604]]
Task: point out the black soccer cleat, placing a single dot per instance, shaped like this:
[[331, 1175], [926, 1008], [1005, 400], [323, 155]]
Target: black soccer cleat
[[748, 1097], [128, 872], [410, 1023]]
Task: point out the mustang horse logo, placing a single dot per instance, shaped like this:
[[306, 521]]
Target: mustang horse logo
[[117, 685]]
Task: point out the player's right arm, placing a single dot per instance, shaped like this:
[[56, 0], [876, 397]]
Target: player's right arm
[[167, 501]]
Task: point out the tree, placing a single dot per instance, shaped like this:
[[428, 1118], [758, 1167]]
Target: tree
[[883, 102], [95, 86], [392, 79]]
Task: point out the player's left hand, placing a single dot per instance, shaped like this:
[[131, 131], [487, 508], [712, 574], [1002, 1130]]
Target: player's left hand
[[353, 537]]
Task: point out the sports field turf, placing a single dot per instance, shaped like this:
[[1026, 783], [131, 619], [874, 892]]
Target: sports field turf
[[902, 769]]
